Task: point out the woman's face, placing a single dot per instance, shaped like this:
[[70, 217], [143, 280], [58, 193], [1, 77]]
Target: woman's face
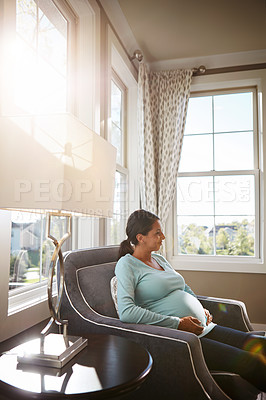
[[153, 240]]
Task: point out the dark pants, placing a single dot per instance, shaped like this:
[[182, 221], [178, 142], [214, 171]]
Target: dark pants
[[243, 353]]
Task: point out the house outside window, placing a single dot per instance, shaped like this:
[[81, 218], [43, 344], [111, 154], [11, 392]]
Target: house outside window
[[217, 201], [31, 250]]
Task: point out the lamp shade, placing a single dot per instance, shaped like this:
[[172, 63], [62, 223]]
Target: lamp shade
[[55, 162]]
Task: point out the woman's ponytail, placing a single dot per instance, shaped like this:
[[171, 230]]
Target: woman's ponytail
[[125, 248], [140, 221]]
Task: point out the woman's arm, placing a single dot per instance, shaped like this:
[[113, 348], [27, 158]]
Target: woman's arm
[[131, 313], [189, 290], [128, 311]]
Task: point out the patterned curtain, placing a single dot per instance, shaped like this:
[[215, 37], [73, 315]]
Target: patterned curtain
[[163, 101]]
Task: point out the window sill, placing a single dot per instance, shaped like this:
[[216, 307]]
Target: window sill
[[21, 300], [216, 264]]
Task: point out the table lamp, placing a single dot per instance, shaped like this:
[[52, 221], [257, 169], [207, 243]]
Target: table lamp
[[57, 165]]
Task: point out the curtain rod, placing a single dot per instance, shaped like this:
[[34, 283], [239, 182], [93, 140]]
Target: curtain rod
[[237, 68], [196, 71], [202, 70]]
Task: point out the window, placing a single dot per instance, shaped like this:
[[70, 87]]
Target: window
[[116, 226], [40, 84], [67, 20], [41, 57], [38, 52], [31, 250], [30, 256], [217, 201]]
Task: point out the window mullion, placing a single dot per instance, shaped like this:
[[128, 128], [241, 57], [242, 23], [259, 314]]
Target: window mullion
[[255, 131], [121, 169], [214, 214], [213, 180], [258, 220], [218, 173]]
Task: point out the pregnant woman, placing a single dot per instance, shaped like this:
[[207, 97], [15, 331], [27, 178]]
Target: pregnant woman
[[151, 292]]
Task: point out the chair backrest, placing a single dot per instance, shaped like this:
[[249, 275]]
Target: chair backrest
[[94, 283], [93, 269]]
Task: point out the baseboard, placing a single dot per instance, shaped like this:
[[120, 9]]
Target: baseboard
[[259, 327]]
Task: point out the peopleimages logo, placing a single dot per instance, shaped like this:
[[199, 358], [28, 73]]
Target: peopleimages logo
[[59, 190], [230, 190]]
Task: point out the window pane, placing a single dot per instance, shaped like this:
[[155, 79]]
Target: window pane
[[116, 140], [116, 228], [234, 195], [120, 196], [233, 151], [116, 104], [197, 154], [195, 235], [88, 231], [26, 233], [235, 236], [233, 112], [25, 77], [52, 51], [26, 21], [31, 250], [199, 115], [117, 121], [40, 71], [52, 41], [195, 196]]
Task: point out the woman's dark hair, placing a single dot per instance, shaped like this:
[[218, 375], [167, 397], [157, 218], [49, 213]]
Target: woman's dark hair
[[140, 221]]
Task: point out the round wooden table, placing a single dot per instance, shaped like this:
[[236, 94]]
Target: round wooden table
[[108, 366]]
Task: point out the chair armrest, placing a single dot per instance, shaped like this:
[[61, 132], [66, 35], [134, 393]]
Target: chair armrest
[[178, 361], [227, 312], [177, 357]]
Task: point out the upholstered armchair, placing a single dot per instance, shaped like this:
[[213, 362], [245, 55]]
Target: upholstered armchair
[[179, 369]]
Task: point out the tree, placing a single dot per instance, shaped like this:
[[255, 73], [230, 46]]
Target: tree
[[244, 243], [195, 241], [222, 241]]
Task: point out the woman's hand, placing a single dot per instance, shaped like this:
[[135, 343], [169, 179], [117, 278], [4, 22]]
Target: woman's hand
[[190, 324], [208, 316]]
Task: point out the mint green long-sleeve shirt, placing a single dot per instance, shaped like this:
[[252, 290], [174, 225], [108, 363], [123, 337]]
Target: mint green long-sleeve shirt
[[149, 296]]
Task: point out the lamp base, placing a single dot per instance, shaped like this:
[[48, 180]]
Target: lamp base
[[56, 351]]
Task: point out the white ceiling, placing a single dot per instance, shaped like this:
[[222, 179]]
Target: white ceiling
[[177, 29]]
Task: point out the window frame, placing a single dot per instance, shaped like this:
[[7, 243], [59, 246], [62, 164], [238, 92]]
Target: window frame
[[24, 297], [252, 264], [121, 168], [119, 64], [119, 83], [84, 102]]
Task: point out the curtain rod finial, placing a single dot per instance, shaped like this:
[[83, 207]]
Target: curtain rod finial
[[138, 55], [200, 70]]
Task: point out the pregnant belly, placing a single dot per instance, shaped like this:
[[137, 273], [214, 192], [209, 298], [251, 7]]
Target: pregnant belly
[[181, 304]]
